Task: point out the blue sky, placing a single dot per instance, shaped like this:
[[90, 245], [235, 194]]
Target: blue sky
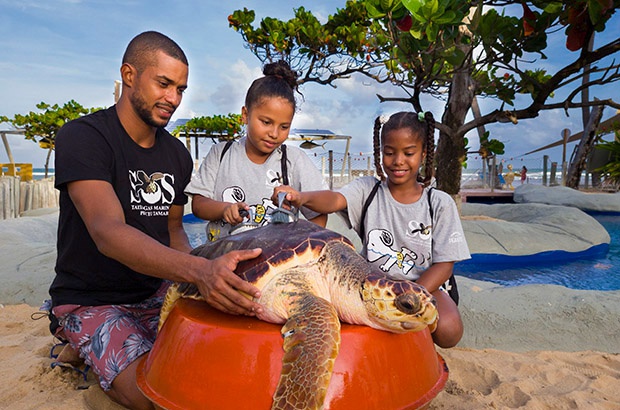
[[58, 50]]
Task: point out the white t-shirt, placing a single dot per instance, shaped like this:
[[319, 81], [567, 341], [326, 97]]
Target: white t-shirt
[[401, 239], [235, 178]]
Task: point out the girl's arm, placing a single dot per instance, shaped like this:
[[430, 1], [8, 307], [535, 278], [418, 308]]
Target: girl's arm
[[324, 201], [320, 220], [212, 210], [436, 275]]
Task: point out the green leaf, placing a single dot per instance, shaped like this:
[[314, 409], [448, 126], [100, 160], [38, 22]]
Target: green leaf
[[554, 7], [417, 34], [431, 32], [386, 5], [456, 57], [447, 18], [412, 5]]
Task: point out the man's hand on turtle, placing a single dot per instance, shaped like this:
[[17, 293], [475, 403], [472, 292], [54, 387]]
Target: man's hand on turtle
[[222, 288]]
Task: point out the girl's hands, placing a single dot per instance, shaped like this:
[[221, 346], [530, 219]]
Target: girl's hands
[[293, 197], [233, 213]]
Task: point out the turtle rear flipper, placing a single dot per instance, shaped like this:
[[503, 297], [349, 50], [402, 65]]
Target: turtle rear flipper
[[311, 343], [176, 291]]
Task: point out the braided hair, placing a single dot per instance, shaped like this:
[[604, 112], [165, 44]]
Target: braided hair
[[421, 125], [279, 80]]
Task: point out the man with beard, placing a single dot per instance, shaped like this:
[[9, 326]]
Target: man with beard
[[121, 240]]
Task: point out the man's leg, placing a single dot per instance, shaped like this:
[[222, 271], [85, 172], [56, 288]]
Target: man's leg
[[125, 389], [111, 339]]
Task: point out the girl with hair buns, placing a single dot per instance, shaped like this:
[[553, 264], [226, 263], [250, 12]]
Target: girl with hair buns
[[236, 179], [408, 229]]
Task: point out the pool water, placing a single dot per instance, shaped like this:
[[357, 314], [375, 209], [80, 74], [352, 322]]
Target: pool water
[[594, 270], [597, 269]]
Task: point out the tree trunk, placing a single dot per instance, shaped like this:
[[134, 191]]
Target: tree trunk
[[451, 146], [47, 161], [585, 146]]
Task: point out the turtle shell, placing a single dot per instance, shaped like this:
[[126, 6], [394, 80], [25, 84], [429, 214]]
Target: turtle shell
[[283, 245]]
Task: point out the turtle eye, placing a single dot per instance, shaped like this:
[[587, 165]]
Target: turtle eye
[[408, 303]]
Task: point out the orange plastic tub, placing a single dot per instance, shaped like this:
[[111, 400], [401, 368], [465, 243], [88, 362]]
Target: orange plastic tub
[[205, 359]]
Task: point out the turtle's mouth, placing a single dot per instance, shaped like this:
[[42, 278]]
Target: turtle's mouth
[[409, 326]]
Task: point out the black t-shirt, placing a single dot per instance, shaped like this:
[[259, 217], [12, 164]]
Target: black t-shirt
[[147, 182]]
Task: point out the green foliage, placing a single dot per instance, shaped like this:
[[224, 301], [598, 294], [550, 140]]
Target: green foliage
[[611, 170], [42, 127], [367, 36], [226, 127], [448, 49], [490, 147]]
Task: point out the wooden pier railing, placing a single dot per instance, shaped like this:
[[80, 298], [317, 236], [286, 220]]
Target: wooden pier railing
[[18, 196]]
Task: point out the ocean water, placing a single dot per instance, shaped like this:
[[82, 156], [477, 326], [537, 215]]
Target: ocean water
[[39, 173], [534, 176]]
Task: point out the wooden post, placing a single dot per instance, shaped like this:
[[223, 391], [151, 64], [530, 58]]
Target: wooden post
[[117, 90], [493, 175], [554, 170], [331, 169], [565, 135], [7, 147], [349, 166]]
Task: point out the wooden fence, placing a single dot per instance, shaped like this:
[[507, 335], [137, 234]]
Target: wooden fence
[[17, 196]]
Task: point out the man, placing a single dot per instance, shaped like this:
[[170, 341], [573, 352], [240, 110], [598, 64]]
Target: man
[[121, 178]]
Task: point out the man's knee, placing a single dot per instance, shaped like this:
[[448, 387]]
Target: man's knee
[[125, 391]]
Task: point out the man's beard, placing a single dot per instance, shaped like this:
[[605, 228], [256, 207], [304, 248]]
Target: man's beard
[[144, 112]]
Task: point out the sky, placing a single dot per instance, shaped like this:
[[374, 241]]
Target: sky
[[60, 50]]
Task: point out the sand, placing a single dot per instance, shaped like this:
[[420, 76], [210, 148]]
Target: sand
[[527, 347]]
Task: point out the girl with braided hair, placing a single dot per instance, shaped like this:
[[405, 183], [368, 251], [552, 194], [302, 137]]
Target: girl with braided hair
[[408, 229]]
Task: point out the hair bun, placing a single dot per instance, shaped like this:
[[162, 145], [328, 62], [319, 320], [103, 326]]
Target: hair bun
[[281, 69]]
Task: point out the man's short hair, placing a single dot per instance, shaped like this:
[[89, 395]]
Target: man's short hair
[[142, 48]]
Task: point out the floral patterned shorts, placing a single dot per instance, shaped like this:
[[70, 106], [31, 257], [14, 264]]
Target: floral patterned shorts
[[110, 337]]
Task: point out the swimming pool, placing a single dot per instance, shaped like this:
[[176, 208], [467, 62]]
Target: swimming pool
[[596, 269]]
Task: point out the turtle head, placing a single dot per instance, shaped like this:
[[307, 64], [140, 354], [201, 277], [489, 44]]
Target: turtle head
[[398, 306]]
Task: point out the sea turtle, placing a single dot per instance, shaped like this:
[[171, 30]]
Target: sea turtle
[[310, 279]]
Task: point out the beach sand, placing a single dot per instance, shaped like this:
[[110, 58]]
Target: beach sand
[[527, 347]]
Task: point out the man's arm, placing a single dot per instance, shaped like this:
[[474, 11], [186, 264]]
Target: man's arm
[[178, 236], [103, 216]]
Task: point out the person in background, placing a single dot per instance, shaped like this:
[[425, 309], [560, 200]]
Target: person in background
[[120, 237], [523, 174], [408, 230], [236, 179]]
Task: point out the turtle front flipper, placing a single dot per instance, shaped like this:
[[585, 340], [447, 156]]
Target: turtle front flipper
[[311, 342]]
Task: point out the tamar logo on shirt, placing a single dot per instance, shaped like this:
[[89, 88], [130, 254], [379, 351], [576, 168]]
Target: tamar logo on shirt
[[151, 194]]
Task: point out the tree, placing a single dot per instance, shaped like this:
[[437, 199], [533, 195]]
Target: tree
[[611, 170], [449, 49], [218, 126], [42, 127]]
